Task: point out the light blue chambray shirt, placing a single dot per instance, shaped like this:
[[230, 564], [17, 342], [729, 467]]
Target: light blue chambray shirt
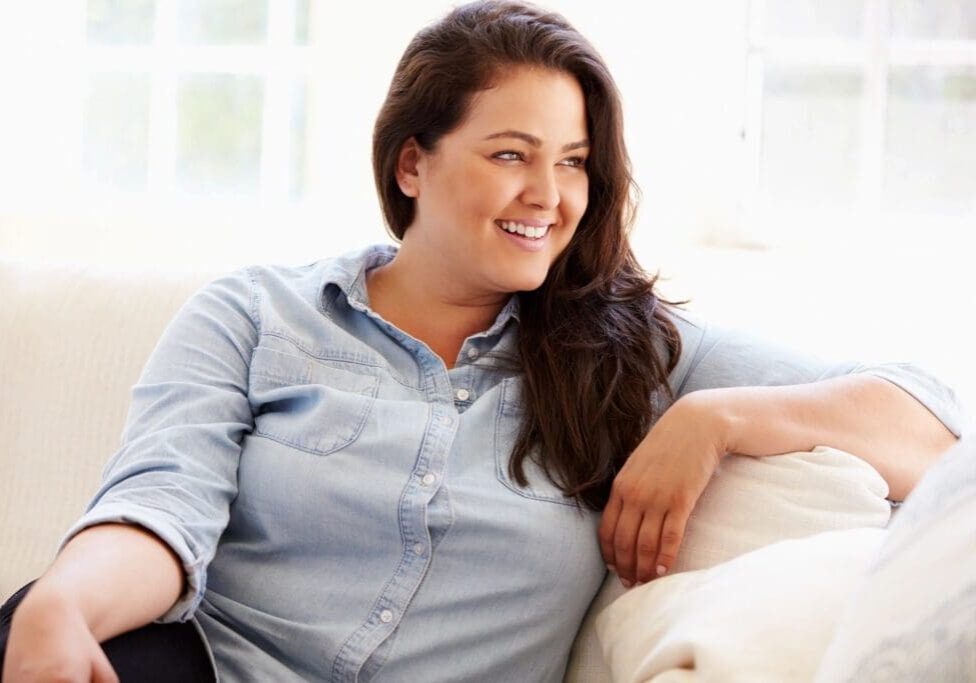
[[341, 501]]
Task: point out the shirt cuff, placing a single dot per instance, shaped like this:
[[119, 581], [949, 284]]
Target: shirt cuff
[[940, 399]]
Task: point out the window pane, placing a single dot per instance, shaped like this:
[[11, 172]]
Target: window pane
[[301, 21], [810, 137], [949, 19], [219, 133], [813, 18], [299, 109], [116, 130], [118, 22], [222, 22], [930, 159]]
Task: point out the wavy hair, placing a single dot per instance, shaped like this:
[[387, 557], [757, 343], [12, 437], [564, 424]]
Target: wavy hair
[[596, 344]]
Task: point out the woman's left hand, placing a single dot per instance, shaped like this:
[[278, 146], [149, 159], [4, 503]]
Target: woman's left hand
[[655, 491]]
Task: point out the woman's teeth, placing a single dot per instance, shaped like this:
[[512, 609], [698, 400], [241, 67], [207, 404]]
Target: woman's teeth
[[524, 230]]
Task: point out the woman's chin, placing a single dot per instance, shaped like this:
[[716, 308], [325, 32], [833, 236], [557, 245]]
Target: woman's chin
[[527, 282]]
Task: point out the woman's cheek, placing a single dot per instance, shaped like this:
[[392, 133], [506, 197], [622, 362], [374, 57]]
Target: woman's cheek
[[577, 197]]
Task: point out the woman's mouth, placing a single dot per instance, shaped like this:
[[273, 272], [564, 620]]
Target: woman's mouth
[[526, 231], [526, 237]]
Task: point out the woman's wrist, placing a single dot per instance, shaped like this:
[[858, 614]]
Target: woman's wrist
[[713, 410], [48, 600]]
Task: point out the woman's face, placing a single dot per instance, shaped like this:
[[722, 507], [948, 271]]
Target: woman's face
[[515, 165]]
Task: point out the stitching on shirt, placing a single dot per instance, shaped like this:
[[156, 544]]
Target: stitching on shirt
[[364, 360], [341, 356], [256, 322], [307, 449], [343, 443], [254, 300]]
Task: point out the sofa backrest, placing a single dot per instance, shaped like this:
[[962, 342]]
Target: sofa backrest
[[73, 341]]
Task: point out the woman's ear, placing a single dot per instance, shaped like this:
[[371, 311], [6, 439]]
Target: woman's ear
[[407, 175]]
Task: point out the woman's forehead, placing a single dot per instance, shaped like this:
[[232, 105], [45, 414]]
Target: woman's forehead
[[539, 105]]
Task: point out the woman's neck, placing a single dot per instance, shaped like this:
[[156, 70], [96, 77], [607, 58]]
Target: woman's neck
[[425, 300]]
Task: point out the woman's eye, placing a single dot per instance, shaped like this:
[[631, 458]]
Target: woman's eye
[[574, 162], [508, 156]]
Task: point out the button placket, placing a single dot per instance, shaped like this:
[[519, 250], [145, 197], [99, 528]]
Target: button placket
[[427, 478]]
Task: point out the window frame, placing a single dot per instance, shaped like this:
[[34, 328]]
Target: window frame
[[281, 63], [872, 55]]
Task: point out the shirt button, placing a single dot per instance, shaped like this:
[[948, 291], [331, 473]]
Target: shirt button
[[428, 479], [472, 353], [418, 548], [447, 421], [386, 616], [462, 394]]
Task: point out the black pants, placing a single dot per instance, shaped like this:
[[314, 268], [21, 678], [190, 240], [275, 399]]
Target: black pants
[[157, 653]]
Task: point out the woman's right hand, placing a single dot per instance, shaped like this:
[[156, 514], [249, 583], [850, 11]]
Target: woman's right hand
[[50, 641]]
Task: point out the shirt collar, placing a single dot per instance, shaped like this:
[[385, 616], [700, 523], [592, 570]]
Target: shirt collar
[[348, 273]]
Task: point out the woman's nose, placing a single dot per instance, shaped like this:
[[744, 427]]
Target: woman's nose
[[541, 189]]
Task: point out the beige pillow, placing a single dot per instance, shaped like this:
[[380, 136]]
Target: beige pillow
[[748, 504], [766, 616], [753, 502]]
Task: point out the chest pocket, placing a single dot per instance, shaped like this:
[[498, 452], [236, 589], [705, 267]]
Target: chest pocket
[[308, 405], [507, 423]]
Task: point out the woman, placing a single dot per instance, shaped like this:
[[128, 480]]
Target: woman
[[417, 463]]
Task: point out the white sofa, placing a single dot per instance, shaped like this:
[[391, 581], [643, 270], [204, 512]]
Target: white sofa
[[74, 341]]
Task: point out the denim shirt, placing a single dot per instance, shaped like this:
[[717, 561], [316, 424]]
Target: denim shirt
[[340, 500]]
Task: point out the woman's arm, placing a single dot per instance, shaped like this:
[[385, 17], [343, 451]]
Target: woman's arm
[[108, 579], [119, 576], [864, 415], [655, 491]]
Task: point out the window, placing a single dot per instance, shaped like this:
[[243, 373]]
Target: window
[[193, 132], [861, 113], [202, 98], [179, 130]]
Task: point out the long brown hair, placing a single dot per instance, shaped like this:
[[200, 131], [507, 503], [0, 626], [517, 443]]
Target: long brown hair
[[596, 344]]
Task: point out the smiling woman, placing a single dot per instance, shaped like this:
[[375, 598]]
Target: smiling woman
[[417, 461]]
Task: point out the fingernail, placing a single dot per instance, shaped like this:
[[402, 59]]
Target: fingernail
[[625, 582], [661, 570]]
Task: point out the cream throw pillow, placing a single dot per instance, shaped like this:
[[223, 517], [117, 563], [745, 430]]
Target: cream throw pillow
[[748, 504], [764, 617]]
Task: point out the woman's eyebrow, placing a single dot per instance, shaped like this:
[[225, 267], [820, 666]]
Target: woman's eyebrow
[[534, 141]]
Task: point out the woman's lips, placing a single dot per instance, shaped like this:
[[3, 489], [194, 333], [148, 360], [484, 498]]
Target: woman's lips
[[527, 243]]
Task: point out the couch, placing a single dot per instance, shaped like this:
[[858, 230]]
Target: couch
[[74, 341]]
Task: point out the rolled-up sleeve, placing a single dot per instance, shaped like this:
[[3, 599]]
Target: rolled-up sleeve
[[714, 357], [175, 473]]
